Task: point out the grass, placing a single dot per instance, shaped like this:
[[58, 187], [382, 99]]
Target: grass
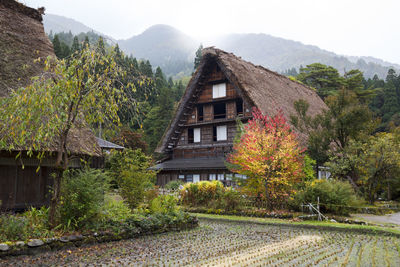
[[306, 224]]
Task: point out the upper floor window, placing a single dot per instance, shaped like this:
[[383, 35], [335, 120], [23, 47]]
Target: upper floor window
[[219, 90], [220, 133], [193, 135], [219, 111], [200, 113], [239, 107]]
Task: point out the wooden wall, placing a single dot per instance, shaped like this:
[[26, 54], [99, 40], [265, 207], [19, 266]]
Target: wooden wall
[[22, 188]]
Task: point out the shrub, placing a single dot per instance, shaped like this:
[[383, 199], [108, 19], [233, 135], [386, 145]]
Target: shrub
[[115, 210], [174, 185], [232, 200], [82, 197], [13, 228], [211, 194], [202, 193], [165, 204], [333, 195], [129, 172], [31, 224]]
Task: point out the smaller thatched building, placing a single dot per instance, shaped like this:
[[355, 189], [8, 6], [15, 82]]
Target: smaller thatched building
[[224, 88], [22, 40]]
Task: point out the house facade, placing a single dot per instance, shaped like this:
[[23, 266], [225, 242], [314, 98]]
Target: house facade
[[223, 90]]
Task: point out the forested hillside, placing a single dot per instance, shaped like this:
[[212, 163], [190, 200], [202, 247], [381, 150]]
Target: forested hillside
[[281, 54], [174, 51]]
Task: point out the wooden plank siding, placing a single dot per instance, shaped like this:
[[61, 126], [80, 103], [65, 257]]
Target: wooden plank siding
[[21, 188], [207, 147]]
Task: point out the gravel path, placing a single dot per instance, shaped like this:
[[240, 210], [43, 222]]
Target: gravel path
[[389, 218]]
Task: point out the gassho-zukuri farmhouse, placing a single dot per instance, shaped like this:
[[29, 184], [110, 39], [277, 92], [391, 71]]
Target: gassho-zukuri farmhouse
[[224, 88]]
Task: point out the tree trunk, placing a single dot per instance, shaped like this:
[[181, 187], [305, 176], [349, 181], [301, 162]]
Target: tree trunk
[[267, 196], [55, 197]]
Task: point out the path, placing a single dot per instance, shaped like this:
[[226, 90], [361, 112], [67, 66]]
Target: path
[[388, 218]]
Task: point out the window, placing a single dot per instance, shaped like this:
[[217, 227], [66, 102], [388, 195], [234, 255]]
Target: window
[[240, 176], [181, 176], [219, 111], [196, 135], [219, 90], [239, 107], [221, 133], [189, 178], [200, 113], [229, 177], [196, 178], [190, 135], [220, 177], [212, 177]]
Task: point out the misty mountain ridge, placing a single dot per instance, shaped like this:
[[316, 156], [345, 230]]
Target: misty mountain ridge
[[174, 51]]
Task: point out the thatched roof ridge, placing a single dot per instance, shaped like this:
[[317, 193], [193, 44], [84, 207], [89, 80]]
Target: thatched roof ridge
[[261, 87], [24, 10], [268, 90], [22, 41]]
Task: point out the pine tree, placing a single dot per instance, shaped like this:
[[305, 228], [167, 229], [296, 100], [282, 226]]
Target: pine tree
[[86, 42], [76, 46], [100, 46], [198, 57], [57, 46]]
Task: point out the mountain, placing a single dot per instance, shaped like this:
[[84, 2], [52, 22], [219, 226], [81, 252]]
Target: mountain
[[57, 24], [281, 54], [164, 46], [174, 51]]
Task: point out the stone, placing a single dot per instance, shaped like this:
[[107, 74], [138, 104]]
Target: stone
[[35, 243], [50, 240], [75, 237], [20, 243], [4, 247], [64, 239]]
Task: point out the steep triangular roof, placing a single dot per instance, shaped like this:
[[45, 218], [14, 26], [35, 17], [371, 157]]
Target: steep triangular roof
[[22, 40], [260, 87]]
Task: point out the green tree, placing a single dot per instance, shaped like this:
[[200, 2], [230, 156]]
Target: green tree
[[129, 170], [57, 46], [76, 46], [158, 118], [325, 79], [198, 57], [70, 97], [375, 162], [331, 130]]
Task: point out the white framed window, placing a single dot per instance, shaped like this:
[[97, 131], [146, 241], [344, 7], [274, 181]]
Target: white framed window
[[229, 177], [221, 133], [181, 176], [196, 135], [241, 176], [219, 90], [196, 178], [212, 177], [220, 177]]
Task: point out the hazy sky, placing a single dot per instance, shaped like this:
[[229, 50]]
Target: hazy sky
[[348, 27]]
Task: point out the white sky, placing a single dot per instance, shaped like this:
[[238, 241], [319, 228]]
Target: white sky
[[347, 27]]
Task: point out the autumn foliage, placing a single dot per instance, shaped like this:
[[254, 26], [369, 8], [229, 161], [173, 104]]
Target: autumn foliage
[[269, 154]]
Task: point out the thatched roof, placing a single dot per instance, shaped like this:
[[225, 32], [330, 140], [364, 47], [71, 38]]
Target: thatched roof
[[22, 40], [262, 88]]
